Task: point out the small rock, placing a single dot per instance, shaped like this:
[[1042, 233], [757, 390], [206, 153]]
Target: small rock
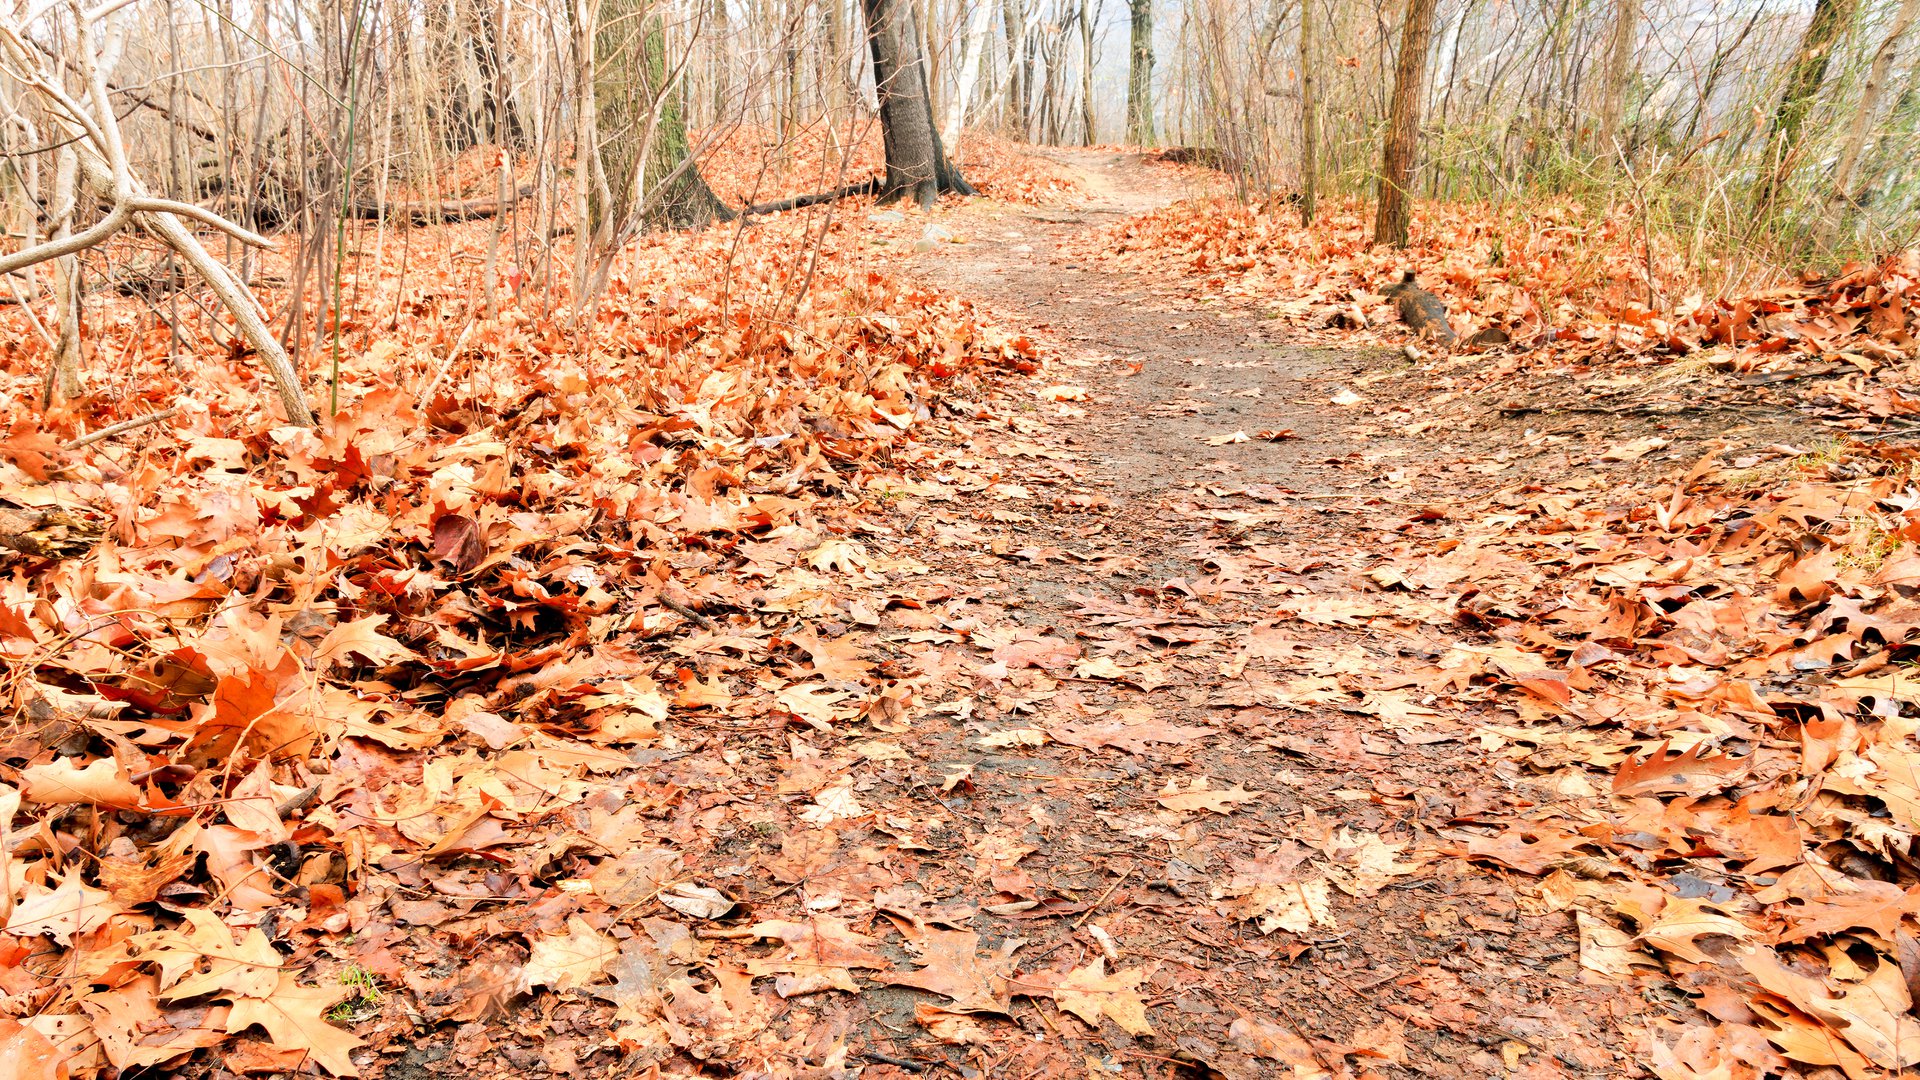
[[937, 233], [886, 217]]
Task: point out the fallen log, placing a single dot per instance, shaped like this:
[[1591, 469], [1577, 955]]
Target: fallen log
[[870, 186], [436, 211]]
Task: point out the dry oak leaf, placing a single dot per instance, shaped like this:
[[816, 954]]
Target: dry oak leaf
[[952, 1028], [1689, 772], [103, 782], [360, 636], [951, 965], [295, 1017], [1294, 906], [1867, 905], [1261, 1038], [1526, 849], [1090, 992], [1871, 1012], [135, 1031], [1198, 795], [1680, 921], [1605, 949], [575, 959], [820, 955], [25, 1054], [73, 907], [1122, 733], [248, 969], [1362, 863]]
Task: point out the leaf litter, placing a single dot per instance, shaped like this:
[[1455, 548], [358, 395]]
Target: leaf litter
[[659, 703]]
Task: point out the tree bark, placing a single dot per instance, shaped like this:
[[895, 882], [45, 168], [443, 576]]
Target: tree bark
[[1857, 131], [1015, 19], [1309, 121], [1830, 23], [917, 168], [1393, 219], [1088, 120], [1613, 93], [642, 132], [973, 60], [1140, 74]]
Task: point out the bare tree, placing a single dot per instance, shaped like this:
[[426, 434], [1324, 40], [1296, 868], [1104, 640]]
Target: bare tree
[[1309, 120], [1613, 90], [917, 167], [1840, 192], [1393, 217], [92, 130], [1140, 73]]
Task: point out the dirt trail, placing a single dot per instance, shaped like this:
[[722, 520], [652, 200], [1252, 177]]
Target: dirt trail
[[1136, 536]]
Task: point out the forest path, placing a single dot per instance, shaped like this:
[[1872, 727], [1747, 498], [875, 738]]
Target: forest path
[[1212, 594]]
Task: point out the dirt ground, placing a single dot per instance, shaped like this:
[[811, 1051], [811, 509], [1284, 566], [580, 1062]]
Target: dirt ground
[[1175, 615]]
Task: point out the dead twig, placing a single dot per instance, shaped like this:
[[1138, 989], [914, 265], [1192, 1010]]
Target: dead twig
[[686, 612], [1111, 889], [120, 428]]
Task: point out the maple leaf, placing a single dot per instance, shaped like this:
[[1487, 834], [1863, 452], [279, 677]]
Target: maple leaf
[[1090, 993], [295, 1017], [577, 958]]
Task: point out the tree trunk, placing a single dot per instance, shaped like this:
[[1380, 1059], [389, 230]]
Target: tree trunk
[[916, 166], [1140, 74], [641, 133], [1830, 23], [1309, 121], [1613, 92], [720, 64], [1015, 19], [973, 59], [1862, 125], [496, 102], [1393, 220], [1086, 76]]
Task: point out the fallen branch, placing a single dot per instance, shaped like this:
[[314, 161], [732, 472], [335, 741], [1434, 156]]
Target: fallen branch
[[432, 211], [120, 428], [870, 186]]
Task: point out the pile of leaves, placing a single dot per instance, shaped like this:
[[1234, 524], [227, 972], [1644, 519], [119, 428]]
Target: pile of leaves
[[1711, 731], [1562, 287], [280, 694]]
